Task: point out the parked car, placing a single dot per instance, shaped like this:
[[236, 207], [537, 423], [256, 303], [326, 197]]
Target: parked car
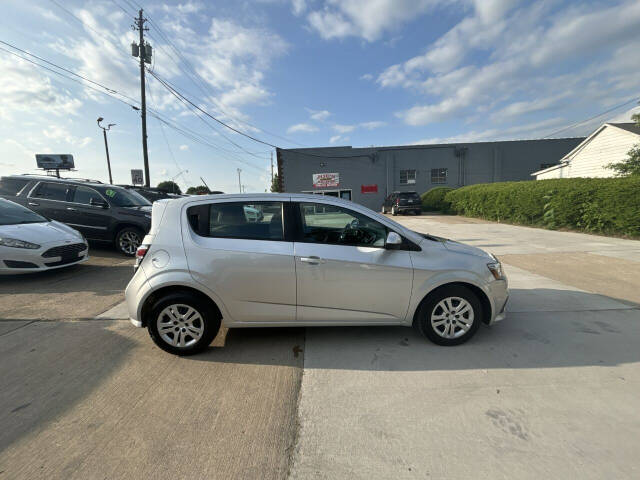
[[402, 202], [316, 261], [30, 242], [100, 211], [152, 194]]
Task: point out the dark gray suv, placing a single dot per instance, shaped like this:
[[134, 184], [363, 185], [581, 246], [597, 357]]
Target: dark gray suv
[[100, 211]]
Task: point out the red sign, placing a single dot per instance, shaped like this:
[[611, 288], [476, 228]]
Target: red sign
[[369, 188]]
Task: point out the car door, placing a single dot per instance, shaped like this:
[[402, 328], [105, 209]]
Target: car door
[[50, 199], [244, 258], [345, 275], [92, 220]]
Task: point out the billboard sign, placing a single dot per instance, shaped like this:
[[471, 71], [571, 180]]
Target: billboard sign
[[51, 161], [323, 180], [136, 177]]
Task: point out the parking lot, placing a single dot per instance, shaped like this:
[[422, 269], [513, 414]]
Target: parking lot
[[551, 391]]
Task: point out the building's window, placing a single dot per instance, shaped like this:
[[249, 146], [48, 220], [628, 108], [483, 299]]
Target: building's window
[[546, 165], [439, 175], [407, 177]]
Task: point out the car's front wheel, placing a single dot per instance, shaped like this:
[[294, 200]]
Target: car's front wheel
[[128, 240], [450, 315], [182, 324]]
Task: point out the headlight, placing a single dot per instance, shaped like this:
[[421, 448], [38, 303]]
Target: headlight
[[496, 269], [15, 243]]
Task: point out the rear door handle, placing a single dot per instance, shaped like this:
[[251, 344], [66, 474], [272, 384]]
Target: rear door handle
[[313, 260], [34, 204], [71, 208]]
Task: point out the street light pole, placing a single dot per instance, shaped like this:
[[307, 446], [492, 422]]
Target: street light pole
[[239, 182], [106, 145]]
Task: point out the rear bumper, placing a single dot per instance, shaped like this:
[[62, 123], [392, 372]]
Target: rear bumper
[[402, 208], [135, 294]]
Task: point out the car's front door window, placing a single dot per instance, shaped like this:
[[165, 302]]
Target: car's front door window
[[330, 224]]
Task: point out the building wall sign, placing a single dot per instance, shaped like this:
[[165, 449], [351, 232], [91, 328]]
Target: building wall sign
[[369, 188], [323, 180]]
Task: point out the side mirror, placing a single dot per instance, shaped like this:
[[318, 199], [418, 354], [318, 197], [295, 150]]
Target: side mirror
[[393, 240], [98, 203]]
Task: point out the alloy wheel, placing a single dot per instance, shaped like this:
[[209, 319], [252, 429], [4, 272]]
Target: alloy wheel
[[180, 325], [452, 317], [129, 242]]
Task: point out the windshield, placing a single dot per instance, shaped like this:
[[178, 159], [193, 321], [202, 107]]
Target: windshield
[[126, 198], [14, 214]]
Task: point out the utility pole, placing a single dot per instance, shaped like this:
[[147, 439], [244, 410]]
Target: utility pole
[[239, 182], [106, 145], [144, 52]]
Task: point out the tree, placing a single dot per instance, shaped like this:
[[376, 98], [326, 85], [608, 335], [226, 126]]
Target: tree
[[199, 190], [169, 186], [630, 166], [275, 184]]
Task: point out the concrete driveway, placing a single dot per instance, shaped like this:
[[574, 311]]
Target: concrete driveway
[[550, 391]]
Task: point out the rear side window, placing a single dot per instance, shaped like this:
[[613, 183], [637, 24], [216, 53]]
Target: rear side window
[[11, 186], [52, 191], [85, 194], [245, 220]]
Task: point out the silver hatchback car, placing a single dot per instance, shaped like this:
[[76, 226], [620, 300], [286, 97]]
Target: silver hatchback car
[[304, 260]]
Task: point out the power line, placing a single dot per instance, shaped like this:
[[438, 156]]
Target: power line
[[592, 118]]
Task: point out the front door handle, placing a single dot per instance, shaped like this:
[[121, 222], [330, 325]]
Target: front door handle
[[34, 204], [71, 209], [312, 260]]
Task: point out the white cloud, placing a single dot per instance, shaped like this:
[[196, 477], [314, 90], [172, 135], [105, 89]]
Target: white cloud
[[344, 128], [25, 89], [367, 19], [372, 125], [298, 6], [319, 115], [505, 62], [61, 135], [338, 138], [367, 77], [184, 148], [302, 127]]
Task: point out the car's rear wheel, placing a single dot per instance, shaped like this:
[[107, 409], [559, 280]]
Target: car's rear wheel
[[182, 324], [128, 240], [450, 315]]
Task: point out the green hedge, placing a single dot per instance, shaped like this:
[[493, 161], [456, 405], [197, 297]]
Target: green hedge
[[602, 205], [433, 200]]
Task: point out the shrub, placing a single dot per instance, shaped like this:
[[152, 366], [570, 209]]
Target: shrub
[[433, 200], [600, 205]]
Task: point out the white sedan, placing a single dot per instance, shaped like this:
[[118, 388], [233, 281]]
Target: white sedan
[[30, 242]]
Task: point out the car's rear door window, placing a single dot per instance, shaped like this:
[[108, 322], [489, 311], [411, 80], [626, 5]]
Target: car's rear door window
[[52, 191], [243, 220], [331, 224], [85, 194]]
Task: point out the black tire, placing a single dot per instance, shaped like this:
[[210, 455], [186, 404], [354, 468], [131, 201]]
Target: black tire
[[394, 212], [430, 305], [383, 210], [126, 239], [210, 323]]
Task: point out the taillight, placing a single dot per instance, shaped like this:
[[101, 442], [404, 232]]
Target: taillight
[[398, 201], [140, 253]]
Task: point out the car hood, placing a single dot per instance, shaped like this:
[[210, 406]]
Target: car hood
[[457, 247], [41, 233]]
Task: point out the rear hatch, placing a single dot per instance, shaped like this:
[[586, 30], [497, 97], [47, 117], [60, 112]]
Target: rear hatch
[[408, 199]]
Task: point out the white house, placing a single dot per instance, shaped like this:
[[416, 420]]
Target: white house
[[608, 144]]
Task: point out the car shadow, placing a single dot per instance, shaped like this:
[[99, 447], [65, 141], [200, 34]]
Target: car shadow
[[542, 336]]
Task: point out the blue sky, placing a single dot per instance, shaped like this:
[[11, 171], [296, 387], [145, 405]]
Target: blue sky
[[311, 73]]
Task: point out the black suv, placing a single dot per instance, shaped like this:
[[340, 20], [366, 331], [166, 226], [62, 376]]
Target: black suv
[[100, 211], [401, 202]]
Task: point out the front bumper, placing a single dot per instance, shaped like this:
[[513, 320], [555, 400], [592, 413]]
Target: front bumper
[[499, 295], [15, 261]]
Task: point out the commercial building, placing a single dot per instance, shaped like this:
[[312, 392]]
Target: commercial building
[[367, 175], [610, 143]]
